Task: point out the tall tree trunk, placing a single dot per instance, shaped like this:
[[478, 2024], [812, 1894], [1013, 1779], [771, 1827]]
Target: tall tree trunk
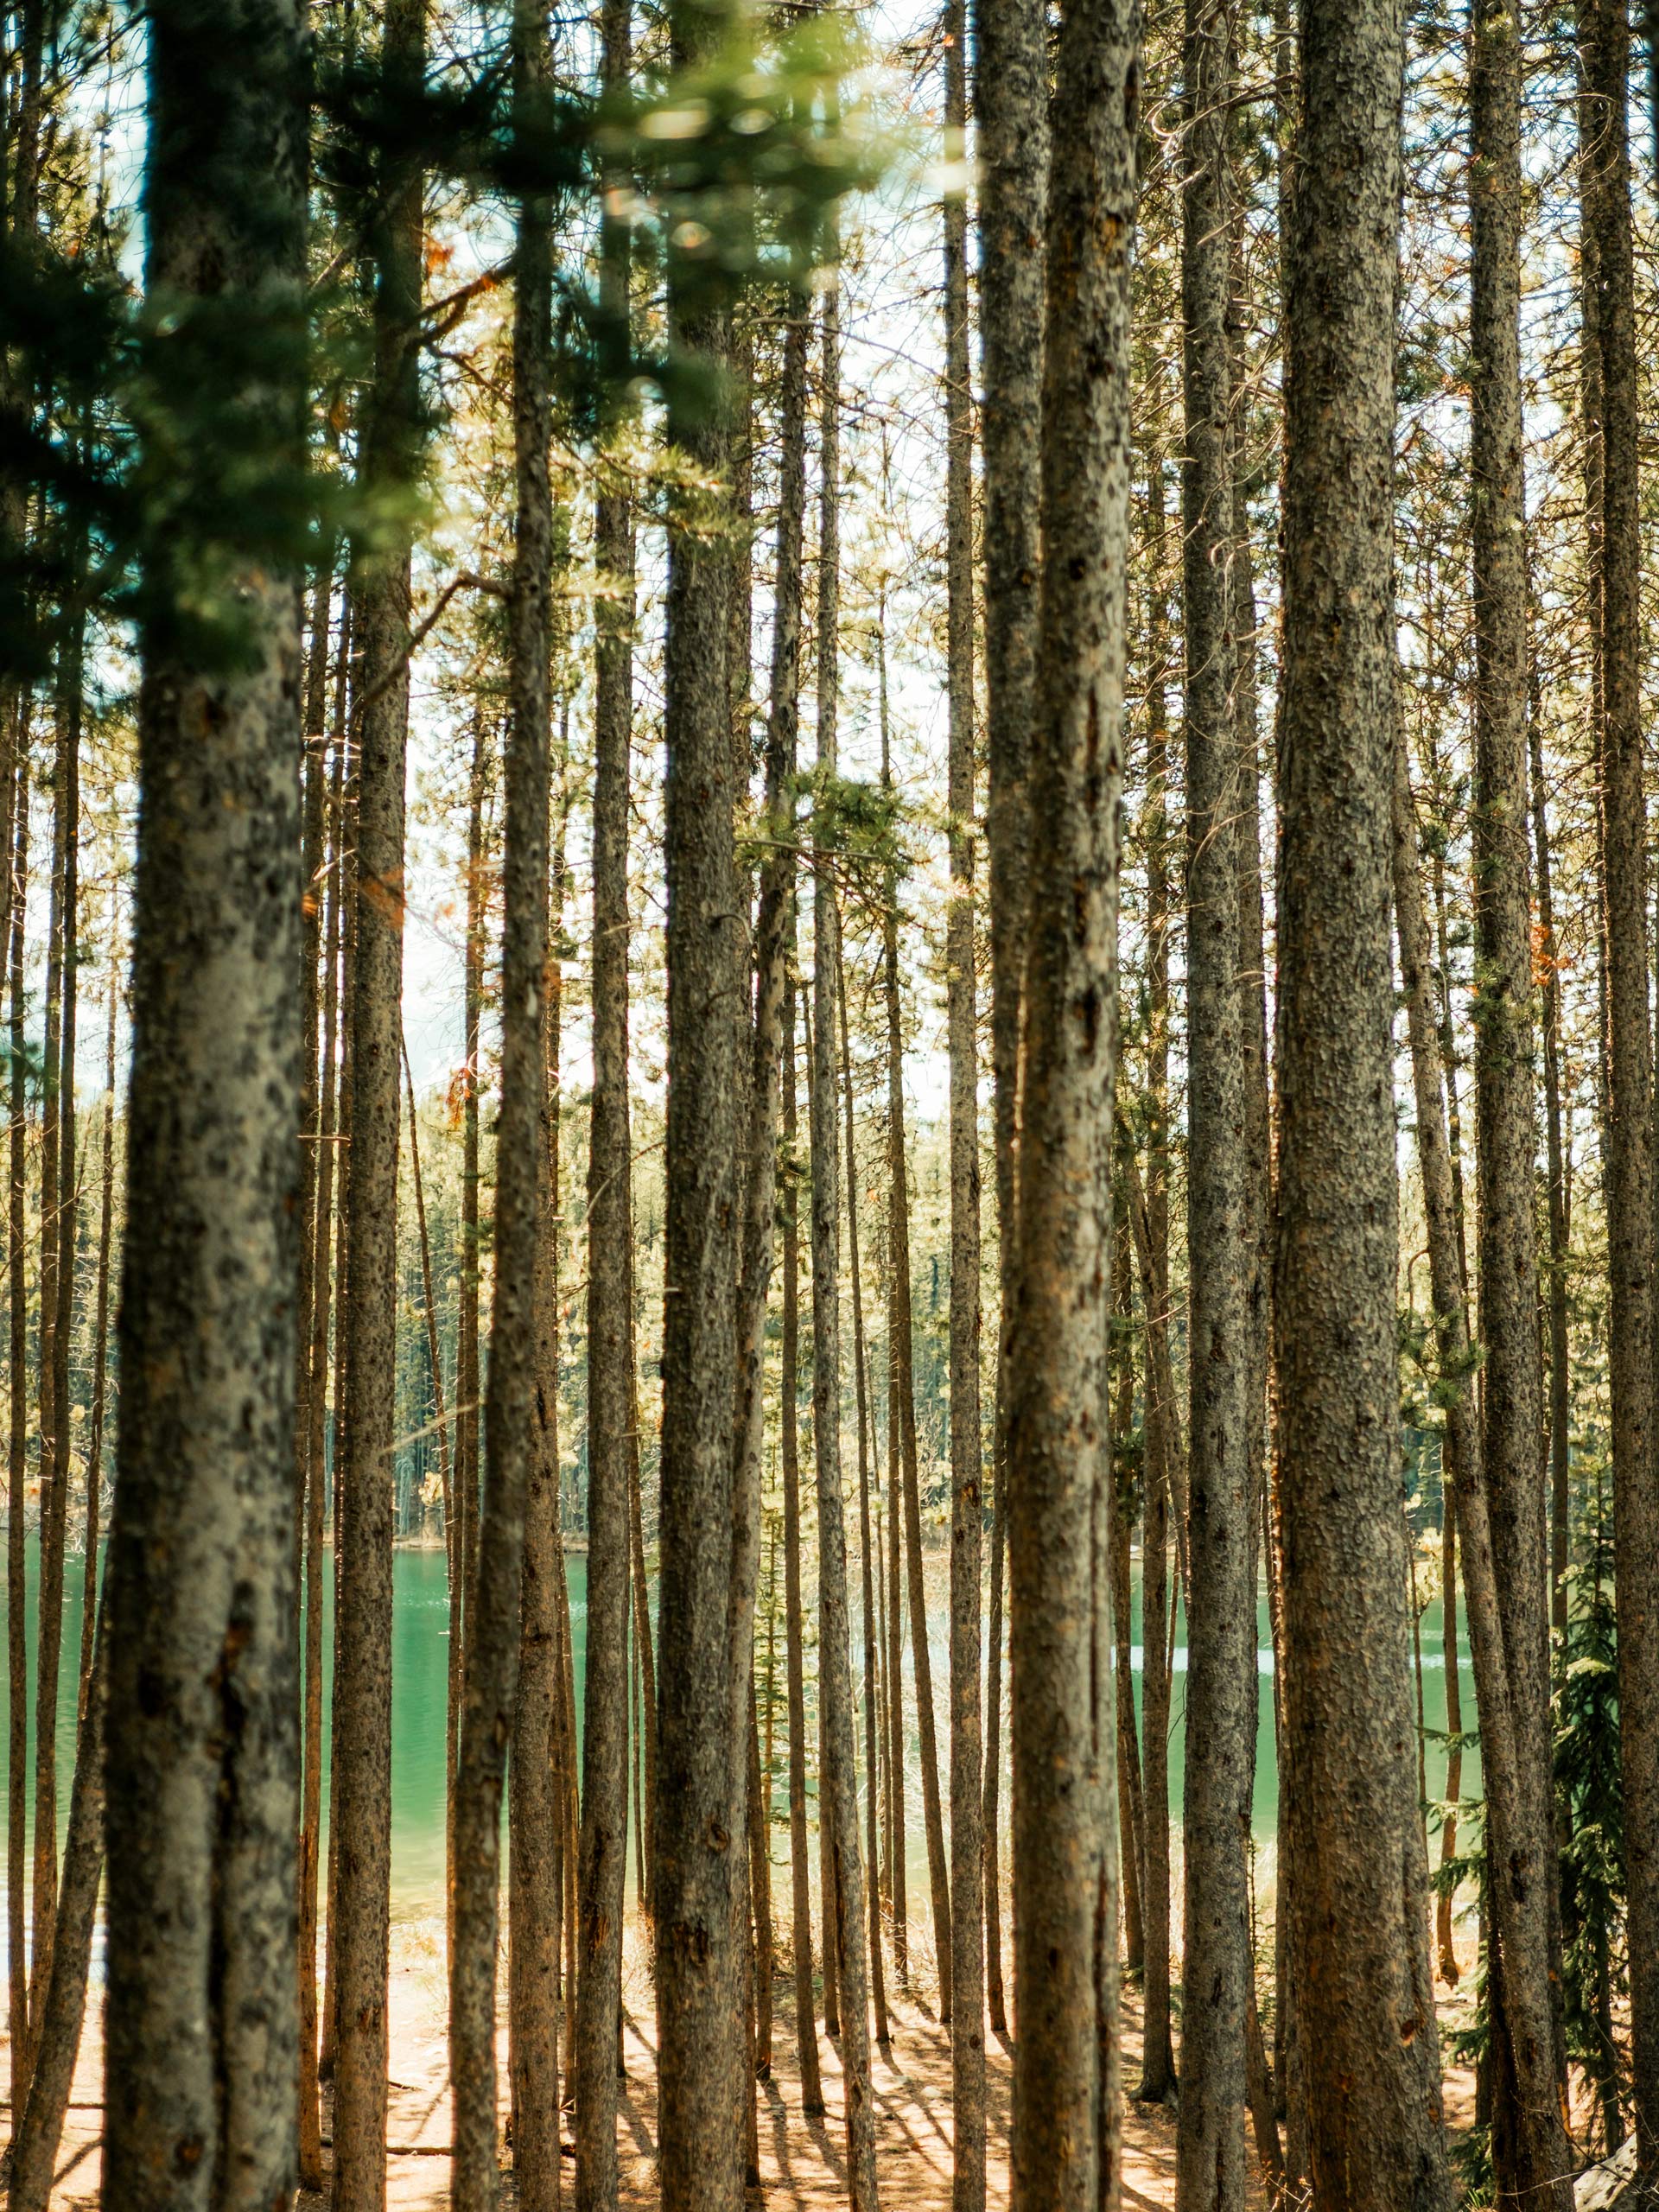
[[1163, 1447], [511, 1440], [899, 1390], [1065, 2147], [603, 1863], [846, 1957], [203, 1742], [361, 1805], [1365, 2007], [16, 906], [1011, 96], [1131, 1822], [1629, 1152], [53, 1460], [806, 2029], [1561, 1401], [536, 1860], [468, 1366], [1532, 2157], [861, 1398], [967, 1536], [100, 1346], [39, 2123], [699, 1998], [1221, 1679], [901, 1382]]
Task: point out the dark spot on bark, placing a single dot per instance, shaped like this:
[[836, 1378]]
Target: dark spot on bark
[[152, 1695], [187, 2155]]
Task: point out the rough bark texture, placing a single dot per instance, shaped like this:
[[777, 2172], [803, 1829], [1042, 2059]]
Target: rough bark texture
[[1561, 1441], [610, 1306], [840, 1778], [510, 1439], [1062, 2155], [1011, 101], [1364, 2007], [362, 1797], [900, 1387], [806, 2029], [1221, 1679], [699, 1858], [966, 1781], [17, 851], [201, 2024], [1531, 2155], [1604, 34]]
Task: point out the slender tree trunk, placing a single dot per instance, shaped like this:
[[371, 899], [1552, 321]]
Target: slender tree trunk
[[1163, 1444], [40, 2125], [967, 1513], [17, 902], [861, 1397], [605, 1744], [200, 2022], [610, 1309], [1561, 1402], [840, 1776], [1065, 2147], [1366, 2006], [535, 1811], [699, 2000], [1131, 1808], [1629, 1151], [434, 1350], [1532, 2156], [902, 1384], [511, 1439], [311, 2168], [468, 1367], [806, 2029], [1011, 95], [1221, 1681], [361, 1805], [54, 1459], [100, 1349], [899, 1386]]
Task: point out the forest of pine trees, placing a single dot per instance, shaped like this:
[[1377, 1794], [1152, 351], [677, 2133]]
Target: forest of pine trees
[[829, 963]]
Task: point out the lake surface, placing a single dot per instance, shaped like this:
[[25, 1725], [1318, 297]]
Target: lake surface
[[420, 1673]]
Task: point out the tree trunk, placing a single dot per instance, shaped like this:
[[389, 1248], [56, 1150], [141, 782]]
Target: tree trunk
[[1532, 2157], [806, 2028], [361, 1805], [511, 1442], [1063, 2148], [967, 1512], [1131, 1818], [1561, 1401], [1365, 2007], [699, 2000], [1221, 1679], [900, 1387], [16, 903], [200, 2022], [861, 1395], [468, 1369], [1629, 1153], [839, 1780], [40, 2125], [603, 1863], [1163, 1446], [100, 1348], [1011, 96]]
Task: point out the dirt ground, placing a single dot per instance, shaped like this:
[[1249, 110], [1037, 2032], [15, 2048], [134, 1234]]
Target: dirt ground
[[803, 2163]]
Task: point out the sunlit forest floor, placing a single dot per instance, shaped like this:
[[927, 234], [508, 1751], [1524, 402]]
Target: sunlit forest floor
[[803, 2163]]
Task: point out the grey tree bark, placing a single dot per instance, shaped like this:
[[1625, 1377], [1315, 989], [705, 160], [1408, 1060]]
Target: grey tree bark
[[610, 1295], [700, 1865], [1011, 100], [1629, 1170], [201, 2022], [1365, 2007], [1221, 1681], [1531, 2152], [511, 1442], [839, 1781], [1063, 2147], [966, 1539]]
